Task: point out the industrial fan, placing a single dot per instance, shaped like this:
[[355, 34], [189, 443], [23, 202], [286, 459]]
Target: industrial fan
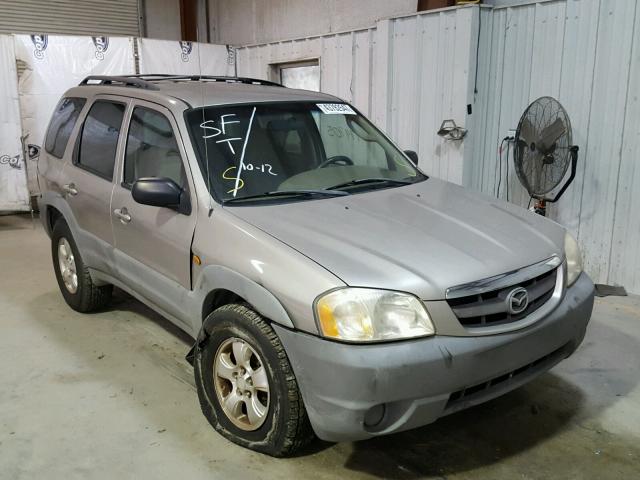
[[543, 151]]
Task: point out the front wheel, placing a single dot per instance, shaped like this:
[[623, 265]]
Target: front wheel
[[246, 386]]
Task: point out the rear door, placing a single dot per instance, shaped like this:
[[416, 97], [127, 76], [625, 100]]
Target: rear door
[[153, 244], [88, 180]]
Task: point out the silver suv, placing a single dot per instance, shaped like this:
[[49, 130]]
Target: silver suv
[[331, 287]]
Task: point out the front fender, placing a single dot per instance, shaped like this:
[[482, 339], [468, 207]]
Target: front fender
[[216, 277]]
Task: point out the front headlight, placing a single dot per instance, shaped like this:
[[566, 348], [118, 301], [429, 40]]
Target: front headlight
[[574, 258], [368, 315]]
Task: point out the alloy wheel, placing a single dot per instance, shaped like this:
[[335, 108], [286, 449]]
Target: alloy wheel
[[241, 384], [67, 265]]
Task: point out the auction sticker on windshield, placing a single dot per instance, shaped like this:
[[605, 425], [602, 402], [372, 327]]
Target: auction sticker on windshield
[[336, 108]]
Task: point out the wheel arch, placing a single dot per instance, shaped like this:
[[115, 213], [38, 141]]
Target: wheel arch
[[52, 214], [223, 286], [218, 298], [53, 207]]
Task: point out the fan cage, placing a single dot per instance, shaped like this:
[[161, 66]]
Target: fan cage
[[540, 167]]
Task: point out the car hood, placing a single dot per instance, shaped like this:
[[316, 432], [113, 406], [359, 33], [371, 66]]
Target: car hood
[[421, 238]]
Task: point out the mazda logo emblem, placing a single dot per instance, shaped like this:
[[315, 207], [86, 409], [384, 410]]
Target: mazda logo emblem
[[517, 301]]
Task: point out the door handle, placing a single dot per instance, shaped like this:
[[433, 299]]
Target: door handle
[[70, 189], [123, 215]]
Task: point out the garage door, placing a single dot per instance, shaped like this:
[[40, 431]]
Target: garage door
[[88, 17]]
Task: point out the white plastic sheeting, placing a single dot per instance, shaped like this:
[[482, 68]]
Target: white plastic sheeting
[[185, 58], [49, 66], [14, 195]]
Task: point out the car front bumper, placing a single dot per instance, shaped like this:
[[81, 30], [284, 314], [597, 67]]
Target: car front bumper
[[354, 392]]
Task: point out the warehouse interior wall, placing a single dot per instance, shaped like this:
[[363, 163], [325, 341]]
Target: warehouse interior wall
[[505, 3], [243, 22], [585, 53], [186, 20], [162, 19]]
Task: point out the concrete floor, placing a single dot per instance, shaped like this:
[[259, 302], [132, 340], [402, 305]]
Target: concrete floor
[[110, 395]]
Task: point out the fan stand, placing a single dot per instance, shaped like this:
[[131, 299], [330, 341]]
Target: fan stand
[[540, 207]]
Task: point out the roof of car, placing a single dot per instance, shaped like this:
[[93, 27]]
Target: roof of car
[[198, 91]]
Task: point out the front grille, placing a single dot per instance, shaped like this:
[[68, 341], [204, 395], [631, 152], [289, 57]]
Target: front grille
[[475, 392], [490, 308]]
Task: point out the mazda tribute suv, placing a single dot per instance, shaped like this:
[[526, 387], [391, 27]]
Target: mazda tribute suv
[[330, 286]]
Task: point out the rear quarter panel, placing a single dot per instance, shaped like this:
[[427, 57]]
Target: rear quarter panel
[[50, 169], [50, 180]]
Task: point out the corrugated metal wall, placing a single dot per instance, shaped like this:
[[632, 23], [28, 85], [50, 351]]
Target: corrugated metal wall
[[407, 73], [346, 61], [86, 17], [586, 53], [430, 68]]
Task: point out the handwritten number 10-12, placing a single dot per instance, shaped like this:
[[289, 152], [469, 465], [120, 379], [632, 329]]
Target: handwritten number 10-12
[[264, 168]]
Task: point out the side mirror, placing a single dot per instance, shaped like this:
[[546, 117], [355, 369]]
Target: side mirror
[[413, 156], [161, 192]]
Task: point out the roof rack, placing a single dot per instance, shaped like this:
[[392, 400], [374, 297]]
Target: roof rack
[[118, 81], [148, 81], [156, 77]]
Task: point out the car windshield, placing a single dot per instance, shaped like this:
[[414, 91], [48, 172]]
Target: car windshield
[[312, 150]]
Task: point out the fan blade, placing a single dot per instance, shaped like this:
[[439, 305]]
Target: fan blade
[[550, 135], [527, 132]]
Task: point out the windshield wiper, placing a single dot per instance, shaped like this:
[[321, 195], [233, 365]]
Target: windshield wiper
[[364, 181], [288, 193]]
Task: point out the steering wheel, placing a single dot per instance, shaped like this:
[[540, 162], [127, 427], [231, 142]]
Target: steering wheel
[[336, 160]]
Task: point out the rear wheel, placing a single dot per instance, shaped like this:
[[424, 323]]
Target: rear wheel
[[72, 274], [246, 386]]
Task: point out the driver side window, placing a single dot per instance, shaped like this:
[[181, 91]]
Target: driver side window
[[152, 150]]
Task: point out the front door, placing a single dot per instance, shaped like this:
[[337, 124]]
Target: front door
[[153, 244]]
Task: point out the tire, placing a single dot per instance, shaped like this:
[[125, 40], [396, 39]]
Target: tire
[[285, 427], [87, 297]]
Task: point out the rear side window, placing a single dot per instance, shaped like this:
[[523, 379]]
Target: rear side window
[[99, 139], [62, 122]]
